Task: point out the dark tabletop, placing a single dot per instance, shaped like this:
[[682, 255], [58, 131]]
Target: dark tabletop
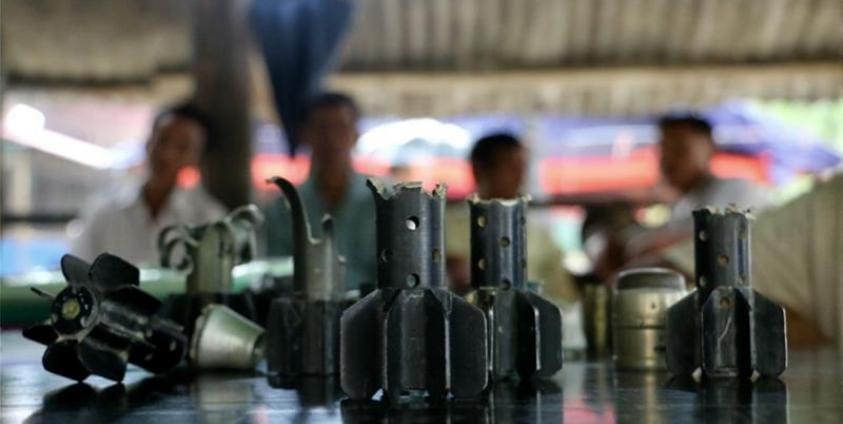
[[810, 391]]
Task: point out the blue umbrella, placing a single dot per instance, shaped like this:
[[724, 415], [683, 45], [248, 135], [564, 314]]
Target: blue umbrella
[[299, 40]]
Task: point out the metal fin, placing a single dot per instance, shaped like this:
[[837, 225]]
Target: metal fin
[[75, 270], [43, 334], [102, 359], [360, 348], [682, 334], [109, 272], [60, 358], [544, 335], [768, 336]]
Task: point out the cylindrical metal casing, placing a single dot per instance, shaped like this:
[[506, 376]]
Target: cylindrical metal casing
[[722, 260], [498, 242], [318, 271], [411, 242], [224, 339], [721, 250], [639, 303]]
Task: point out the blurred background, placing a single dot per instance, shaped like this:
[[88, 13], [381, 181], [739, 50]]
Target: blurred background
[[580, 81]]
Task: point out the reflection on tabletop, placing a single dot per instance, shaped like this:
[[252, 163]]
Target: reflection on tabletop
[[585, 391]]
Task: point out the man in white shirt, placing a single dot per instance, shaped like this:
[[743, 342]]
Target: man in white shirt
[[686, 149], [127, 223]]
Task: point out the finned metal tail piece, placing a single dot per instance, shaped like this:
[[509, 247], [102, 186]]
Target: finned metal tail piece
[[725, 329], [303, 328], [208, 253], [524, 330], [103, 320], [411, 336]]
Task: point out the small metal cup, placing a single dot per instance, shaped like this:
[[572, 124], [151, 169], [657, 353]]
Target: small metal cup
[[224, 339]]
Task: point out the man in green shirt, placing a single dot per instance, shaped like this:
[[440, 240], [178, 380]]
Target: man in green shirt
[[329, 128]]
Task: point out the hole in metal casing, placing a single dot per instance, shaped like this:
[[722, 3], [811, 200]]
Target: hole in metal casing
[[505, 241]]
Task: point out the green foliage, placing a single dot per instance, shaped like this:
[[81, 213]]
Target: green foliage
[[823, 118]]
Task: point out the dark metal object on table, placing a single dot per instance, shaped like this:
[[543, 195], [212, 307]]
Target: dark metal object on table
[[103, 320], [725, 329], [639, 304], [410, 335], [303, 327], [208, 254], [524, 330]]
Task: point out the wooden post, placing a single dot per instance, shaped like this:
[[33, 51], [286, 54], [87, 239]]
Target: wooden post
[[221, 43]]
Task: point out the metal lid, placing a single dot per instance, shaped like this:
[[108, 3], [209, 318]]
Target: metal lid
[[650, 278]]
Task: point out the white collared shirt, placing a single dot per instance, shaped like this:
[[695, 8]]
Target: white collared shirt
[[121, 224], [721, 193]]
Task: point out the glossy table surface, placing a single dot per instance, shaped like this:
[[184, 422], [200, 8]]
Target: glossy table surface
[[810, 391]]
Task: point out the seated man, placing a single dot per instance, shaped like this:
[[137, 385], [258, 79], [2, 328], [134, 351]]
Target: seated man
[[127, 222], [329, 127], [797, 261], [499, 163], [686, 149]]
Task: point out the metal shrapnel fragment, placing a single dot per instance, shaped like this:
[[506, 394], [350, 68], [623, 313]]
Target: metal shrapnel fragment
[[102, 320], [411, 336], [524, 329], [303, 327], [725, 329], [208, 254]]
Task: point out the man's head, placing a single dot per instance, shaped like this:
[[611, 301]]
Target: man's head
[[329, 127], [177, 141], [687, 146], [499, 164]]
